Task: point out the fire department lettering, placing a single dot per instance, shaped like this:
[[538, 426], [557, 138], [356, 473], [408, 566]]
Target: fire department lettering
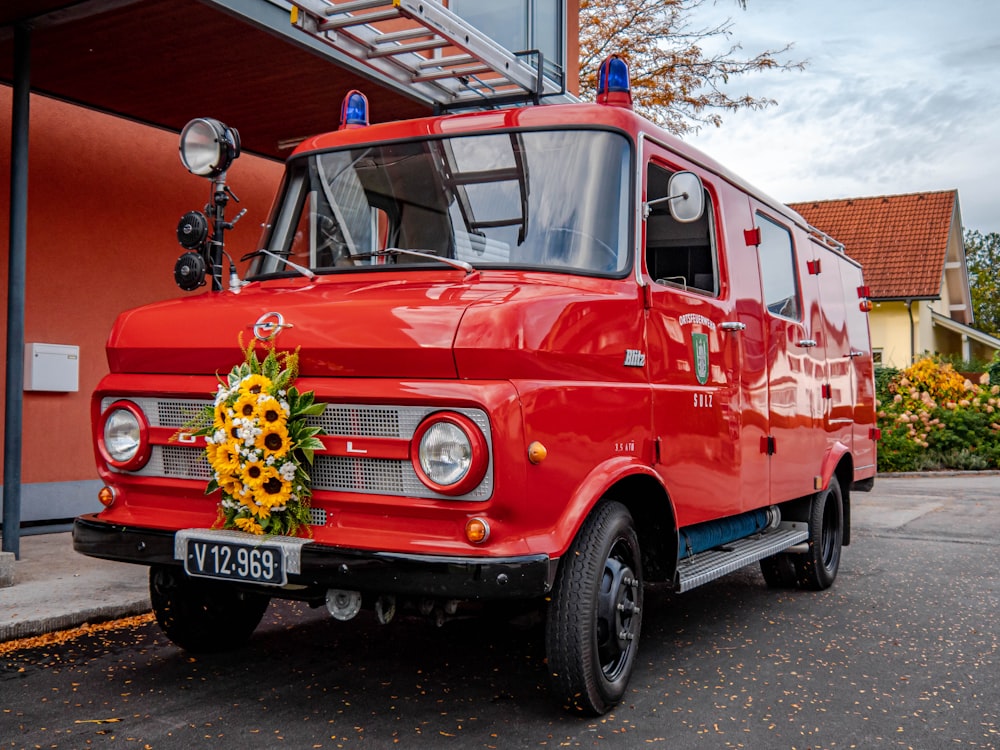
[[634, 358]]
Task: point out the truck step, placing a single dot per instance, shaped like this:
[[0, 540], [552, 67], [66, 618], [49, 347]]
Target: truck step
[[715, 563]]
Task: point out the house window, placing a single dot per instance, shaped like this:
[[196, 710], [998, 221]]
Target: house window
[[679, 254], [877, 357], [777, 268], [519, 25]]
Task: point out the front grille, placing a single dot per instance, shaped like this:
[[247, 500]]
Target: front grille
[[362, 421], [350, 474], [373, 476], [179, 462]]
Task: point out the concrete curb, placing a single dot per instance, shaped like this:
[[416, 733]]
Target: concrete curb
[[55, 588], [55, 622]]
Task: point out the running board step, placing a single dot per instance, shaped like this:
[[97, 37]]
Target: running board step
[[715, 563]]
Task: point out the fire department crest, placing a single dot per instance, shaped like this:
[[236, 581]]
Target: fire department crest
[[699, 342]]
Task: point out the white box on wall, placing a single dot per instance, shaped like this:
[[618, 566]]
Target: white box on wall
[[51, 367]]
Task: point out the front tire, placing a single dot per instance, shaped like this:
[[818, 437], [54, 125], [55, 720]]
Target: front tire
[[203, 616], [595, 615], [817, 568]]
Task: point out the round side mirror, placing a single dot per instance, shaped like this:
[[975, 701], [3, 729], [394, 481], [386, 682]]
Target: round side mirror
[[686, 197]]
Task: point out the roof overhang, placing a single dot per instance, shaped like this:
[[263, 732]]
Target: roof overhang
[[163, 62], [963, 330]]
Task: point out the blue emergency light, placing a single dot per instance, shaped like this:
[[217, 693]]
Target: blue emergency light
[[354, 110], [613, 86]]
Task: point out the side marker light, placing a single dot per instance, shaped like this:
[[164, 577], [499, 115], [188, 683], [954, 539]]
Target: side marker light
[[106, 495], [537, 452], [477, 530]]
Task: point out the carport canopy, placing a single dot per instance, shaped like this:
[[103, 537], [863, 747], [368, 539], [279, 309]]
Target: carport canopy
[[162, 63]]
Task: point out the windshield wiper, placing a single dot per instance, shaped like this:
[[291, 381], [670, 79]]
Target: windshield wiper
[[301, 269], [396, 251]]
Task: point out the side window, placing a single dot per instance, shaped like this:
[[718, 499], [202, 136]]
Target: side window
[[777, 268], [679, 254]]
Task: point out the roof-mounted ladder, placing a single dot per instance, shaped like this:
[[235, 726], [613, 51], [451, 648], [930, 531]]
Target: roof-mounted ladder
[[433, 52]]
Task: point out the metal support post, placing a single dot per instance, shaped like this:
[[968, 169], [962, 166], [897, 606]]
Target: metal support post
[[16, 265]]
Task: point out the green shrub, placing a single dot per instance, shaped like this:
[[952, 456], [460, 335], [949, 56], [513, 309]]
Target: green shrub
[[933, 418], [993, 369]]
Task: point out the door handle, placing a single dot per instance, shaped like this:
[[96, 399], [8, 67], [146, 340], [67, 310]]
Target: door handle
[[807, 343], [855, 353], [733, 326]]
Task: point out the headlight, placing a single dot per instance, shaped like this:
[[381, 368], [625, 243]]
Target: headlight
[[124, 440], [208, 147], [451, 454]]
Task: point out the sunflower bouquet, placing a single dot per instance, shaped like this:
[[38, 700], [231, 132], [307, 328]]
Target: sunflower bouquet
[[258, 444]]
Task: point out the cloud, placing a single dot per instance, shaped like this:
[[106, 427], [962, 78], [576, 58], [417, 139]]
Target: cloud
[[900, 99]]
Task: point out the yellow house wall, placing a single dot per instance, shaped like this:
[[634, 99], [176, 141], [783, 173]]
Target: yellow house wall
[[889, 323]]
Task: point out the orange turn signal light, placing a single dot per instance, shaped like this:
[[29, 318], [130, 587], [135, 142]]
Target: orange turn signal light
[[106, 495], [537, 452], [477, 530]]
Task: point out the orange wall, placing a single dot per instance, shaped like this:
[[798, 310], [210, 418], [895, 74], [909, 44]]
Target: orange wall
[[573, 46], [104, 198]]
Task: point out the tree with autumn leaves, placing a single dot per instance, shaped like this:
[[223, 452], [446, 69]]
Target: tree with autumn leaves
[[675, 82]]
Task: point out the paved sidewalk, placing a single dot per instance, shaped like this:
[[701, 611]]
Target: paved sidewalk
[[56, 588]]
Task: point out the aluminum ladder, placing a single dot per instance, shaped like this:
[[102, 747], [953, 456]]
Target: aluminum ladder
[[432, 52]]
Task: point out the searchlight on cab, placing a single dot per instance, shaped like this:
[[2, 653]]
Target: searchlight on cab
[[208, 147]]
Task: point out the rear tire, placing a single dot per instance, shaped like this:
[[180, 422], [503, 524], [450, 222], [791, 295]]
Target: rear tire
[[595, 614], [203, 616], [779, 571], [817, 569]]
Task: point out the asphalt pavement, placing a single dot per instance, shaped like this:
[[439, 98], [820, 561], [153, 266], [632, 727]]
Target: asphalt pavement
[[56, 588]]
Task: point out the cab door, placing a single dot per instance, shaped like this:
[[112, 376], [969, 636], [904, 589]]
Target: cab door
[[693, 357]]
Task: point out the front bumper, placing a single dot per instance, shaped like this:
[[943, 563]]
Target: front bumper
[[324, 567]]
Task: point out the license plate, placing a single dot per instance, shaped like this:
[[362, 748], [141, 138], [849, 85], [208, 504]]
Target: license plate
[[256, 563]]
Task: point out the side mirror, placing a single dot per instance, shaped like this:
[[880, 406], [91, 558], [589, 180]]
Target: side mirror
[[686, 197]]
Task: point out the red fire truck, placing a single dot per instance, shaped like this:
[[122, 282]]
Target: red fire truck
[[562, 354]]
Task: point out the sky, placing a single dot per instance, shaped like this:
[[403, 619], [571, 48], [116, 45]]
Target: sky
[[897, 96]]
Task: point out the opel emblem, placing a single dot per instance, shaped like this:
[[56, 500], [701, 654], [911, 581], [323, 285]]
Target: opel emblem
[[269, 325]]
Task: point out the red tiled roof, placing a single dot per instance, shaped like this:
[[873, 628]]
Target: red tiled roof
[[901, 241]]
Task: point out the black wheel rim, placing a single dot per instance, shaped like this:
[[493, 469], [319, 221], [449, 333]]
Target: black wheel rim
[[617, 611]]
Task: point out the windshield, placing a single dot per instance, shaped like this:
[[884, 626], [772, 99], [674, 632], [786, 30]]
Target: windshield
[[556, 200]]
